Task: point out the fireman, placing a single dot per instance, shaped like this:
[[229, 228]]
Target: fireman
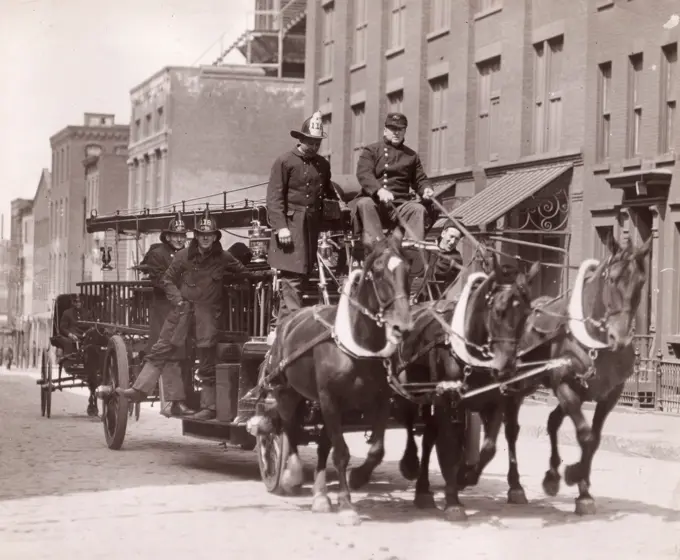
[[194, 284], [155, 263]]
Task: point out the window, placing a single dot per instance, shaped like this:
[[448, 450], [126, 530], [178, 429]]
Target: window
[[358, 126], [440, 13], [604, 84], [67, 166], [160, 119], [395, 102], [147, 125], [669, 64], [634, 106], [676, 280], [138, 130], [488, 110], [439, 90], [327, 41], [397, 24], [327, 123], [548, 95], [159, 179], [360, 31]]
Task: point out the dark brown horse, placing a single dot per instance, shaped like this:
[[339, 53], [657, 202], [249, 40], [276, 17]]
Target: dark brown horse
[[593, 332], [342, 368], [489, 317]]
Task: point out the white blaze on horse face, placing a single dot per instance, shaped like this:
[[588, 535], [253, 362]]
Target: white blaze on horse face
[[393, 263]]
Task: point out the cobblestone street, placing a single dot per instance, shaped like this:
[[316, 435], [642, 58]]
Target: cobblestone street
[[64, 495]]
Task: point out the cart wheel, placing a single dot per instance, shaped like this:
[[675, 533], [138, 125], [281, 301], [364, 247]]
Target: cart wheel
[[48, 390], [43, 377], [115, 408], [138, 410], [46, 386], [272, 453]]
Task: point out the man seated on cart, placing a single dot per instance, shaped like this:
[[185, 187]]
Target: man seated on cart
[[70, 327], [388, 172]]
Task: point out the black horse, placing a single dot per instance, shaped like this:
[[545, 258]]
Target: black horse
[[489, 317], [335, 356], [592, 335]]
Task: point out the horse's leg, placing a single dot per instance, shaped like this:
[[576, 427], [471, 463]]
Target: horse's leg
[[92, 382], [551, 480], [359, 476], [581, 471], [321, 502], [409, 464], [516, 494], [333, 420], [424, 498], [492, 418], [451, 454], [290, 408]]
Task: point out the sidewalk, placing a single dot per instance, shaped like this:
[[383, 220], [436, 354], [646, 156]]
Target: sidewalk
[[634, 432]]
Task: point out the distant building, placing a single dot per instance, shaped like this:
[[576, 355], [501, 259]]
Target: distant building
[[21, 272], [205, 131], [41, 317], [67, 195], [5, 267]]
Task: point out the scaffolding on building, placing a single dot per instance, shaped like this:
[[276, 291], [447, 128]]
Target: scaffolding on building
[[274, 40]]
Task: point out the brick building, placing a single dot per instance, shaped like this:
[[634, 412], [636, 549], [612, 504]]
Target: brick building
[[546, 120], [67, 195], [41, 317], [197, 133]]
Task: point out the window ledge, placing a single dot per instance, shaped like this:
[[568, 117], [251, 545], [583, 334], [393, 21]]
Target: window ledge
[[357, 66], [602, 167], [631, 163], [488, 12], [389, 53], [324, 80], [665, 158], [432, 35], [604, 4]]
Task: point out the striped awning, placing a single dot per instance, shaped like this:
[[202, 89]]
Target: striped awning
[[506, 193]]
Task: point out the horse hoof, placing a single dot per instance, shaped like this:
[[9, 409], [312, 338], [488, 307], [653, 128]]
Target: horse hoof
[[585, 506], [424, 500], [357, 479], [291, 481], [517, 496], [551, 484], [572, 474], [456, 514], [92, 410], [321, 504], [409, 467], [348, 518]]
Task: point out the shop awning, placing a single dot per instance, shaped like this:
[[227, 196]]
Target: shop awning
[[506, 193]]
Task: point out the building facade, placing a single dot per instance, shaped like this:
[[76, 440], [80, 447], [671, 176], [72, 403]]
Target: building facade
[[534, 119], [207, 135], [67, 202], [106, 178], [41, 317]]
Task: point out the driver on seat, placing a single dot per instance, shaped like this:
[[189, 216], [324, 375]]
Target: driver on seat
[[387, 171], [69, 326]]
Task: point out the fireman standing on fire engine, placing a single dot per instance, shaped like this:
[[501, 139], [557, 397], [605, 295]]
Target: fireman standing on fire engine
[[194, 284], [156, 261], [300, 179]]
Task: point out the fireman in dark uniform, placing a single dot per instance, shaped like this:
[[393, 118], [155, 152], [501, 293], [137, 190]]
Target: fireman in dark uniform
[[194, 284], [70, 329], [156, 261], [387, 171], [300, 179]]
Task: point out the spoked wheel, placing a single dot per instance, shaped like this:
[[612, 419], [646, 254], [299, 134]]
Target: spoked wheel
[[272, 453], [46, 386], [115, 407]]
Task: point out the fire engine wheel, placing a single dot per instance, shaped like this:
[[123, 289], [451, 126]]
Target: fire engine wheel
[[272, 452], [115, 407], [46, 386]]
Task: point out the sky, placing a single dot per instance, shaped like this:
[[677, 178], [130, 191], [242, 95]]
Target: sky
[[63, 58]]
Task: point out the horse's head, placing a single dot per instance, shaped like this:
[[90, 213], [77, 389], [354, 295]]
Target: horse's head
[[621, 278], [508, 304], [386, 270]]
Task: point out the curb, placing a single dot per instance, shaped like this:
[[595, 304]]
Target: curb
[[651, 449]]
